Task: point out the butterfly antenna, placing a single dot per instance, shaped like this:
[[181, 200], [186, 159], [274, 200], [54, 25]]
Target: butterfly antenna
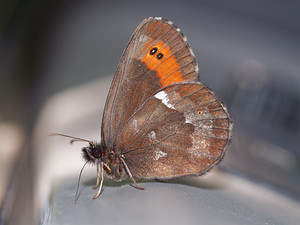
[[77, 188], [73, 138]]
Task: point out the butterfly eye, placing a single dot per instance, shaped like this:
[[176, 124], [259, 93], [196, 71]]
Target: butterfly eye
[[159, 56], [153, 51], [96, 152]]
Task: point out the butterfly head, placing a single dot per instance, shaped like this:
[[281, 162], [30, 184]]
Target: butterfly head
[[92, 152]]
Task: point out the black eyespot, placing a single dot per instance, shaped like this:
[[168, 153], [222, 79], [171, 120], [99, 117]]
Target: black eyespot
[[159, 56], [153, 51]]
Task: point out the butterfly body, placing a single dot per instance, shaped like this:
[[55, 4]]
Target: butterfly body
[[110, 158]]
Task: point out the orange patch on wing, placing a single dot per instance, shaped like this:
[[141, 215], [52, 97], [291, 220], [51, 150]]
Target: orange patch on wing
[[167, 68]]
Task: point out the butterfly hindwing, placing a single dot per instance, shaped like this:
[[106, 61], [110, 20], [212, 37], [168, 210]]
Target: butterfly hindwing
[[183, 129], [141, 72]]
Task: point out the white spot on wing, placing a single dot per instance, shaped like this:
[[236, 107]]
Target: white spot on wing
[[135, 124], [164, 99], [152, 135], [187, 119], [159, 154], [190, 117], [204, 144]]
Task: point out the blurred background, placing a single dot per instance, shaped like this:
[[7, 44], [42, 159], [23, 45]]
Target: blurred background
[[248, 53]]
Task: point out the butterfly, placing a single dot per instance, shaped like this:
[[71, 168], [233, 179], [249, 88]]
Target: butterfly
[[160, 121]]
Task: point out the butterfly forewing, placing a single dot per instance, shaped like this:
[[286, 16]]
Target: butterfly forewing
[[183, 129], [140, 73]]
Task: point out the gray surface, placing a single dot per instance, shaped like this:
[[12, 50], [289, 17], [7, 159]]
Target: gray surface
[[172, 203]]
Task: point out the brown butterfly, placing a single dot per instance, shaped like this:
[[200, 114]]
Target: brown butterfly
[[159, 121]]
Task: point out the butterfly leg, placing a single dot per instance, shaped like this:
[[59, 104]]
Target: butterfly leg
[[101, 180], [130, 175], [98, 177]]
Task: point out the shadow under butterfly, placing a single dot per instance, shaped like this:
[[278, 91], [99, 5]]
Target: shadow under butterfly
[[160, 122]]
